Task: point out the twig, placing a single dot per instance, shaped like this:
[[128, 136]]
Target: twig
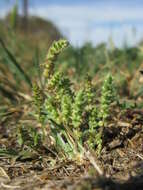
[[93, 162], [9, 186]]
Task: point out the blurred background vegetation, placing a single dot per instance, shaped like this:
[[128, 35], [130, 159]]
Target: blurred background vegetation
[[24, 42]]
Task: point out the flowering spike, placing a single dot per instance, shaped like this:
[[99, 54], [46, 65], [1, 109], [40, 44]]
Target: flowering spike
[[56, 48]]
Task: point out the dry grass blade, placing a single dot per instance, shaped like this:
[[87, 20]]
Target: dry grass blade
[[6, 93], [9, 186], [93, 162]]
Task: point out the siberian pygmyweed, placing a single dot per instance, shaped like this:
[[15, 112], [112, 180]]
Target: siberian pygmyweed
[[54, 51], [72, 115], [108, 96]]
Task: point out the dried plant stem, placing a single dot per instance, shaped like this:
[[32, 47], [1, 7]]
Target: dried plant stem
[[92, 160]]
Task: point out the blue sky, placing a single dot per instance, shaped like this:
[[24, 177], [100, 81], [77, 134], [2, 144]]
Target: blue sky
[[90, 20]]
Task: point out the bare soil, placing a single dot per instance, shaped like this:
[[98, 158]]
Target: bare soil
[[121, 159]]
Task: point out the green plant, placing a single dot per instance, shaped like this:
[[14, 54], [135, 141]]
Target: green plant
[[108, 96], [28, 136], [54, 51], [14, 15], [77, 109], [74, 116], [38, 101], [94, 138]]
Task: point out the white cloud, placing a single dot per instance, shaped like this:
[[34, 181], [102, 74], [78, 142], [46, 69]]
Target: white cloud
[[92, 13], [81, 23]]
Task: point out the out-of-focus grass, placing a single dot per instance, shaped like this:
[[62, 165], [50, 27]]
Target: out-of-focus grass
[[124, 63], [21, 53]]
